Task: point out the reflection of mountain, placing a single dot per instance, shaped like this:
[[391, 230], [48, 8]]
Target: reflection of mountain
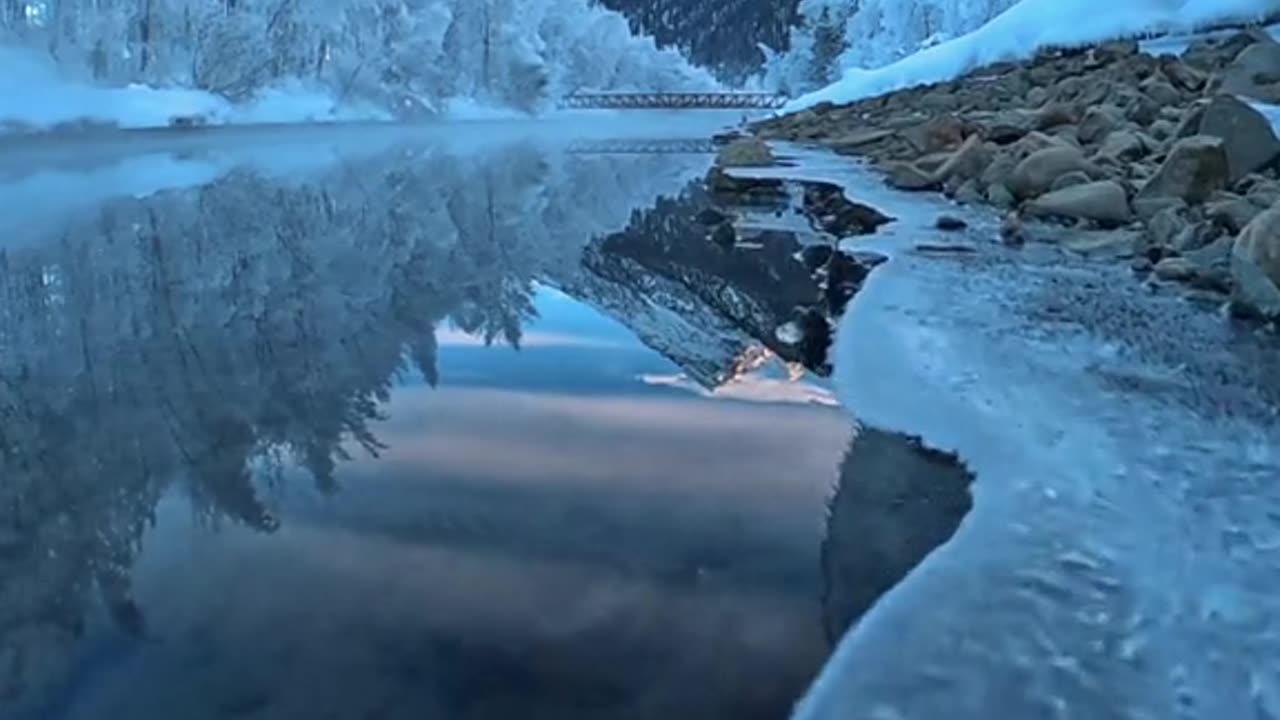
[[707, 307], [896, 501]]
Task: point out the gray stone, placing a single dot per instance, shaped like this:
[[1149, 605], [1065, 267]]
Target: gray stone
[[1036, 174], [1255, 267], [1255, 73], [906, 176], [1103, 202], [1175, 269], [1249, 141], [1123, 145], [1161, 92], [745, 152], [1071, 179], [1098, 122], [1232, 214], [1194, 169], [1000, 196], [1165, 226], [970, 161]]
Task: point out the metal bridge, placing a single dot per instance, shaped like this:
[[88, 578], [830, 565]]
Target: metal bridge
[[674, 101], [642, 146]]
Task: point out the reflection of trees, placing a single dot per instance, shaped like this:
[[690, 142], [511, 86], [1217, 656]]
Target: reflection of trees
[[192, 337], [896, 501]]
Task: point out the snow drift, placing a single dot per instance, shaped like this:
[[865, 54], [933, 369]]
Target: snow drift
[[1030, 25]]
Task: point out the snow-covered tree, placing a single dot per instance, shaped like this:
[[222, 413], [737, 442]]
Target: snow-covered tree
[[407, 56], [869, 33]]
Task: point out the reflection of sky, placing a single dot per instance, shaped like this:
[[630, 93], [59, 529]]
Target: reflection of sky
[[544, 527]]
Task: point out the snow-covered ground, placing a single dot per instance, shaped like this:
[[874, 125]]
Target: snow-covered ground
[[1120, 558], [1030, 25], [35, 95]]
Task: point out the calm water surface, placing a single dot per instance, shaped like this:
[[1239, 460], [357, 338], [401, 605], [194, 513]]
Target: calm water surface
[[413, 432]]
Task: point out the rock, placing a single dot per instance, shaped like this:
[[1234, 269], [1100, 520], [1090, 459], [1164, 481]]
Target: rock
[[1182, 75], [1036, 174], [1037, 96], [1264, 194], [1164, 94], [724, 235], [1189, 124], [745, 152], [970, 161], [1054, 114], [745, 190], [1104, 202], [1211, 52], [1249, 141], [1012, 231], [711, 217], [1009, 126], [1071, 179], [833, 212], [1195, 236], [1164, 227], [1114, 244], [906, 176], [1255, 267], [1147, 208], [1255, 73], [1068, 135], [1123, 145], [1163, 130], [815, 256], [941, 132], [969, 193], [950, 223], [1194, 169], [1142, 110], [1098, 122], [856, 140], [1232, 214], [999, 196], [1175, 269]]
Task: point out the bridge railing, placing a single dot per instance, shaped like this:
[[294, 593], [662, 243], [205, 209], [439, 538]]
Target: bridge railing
[[674, 101]]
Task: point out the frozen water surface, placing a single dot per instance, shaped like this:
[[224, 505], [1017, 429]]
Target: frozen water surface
[[1121, 557]]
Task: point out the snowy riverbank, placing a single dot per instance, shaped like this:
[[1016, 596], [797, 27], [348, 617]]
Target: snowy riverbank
[[1117, 562]]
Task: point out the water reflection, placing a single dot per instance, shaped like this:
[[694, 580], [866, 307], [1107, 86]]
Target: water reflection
[[259, 459]]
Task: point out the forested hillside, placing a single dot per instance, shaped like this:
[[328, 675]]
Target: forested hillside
[[721, 34], [403, 55]]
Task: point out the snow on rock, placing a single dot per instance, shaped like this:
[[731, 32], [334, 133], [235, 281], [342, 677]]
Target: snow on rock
[[1119, 560], [1030, 25]]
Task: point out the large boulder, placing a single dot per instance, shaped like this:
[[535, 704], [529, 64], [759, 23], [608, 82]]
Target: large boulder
[[1254, 73], [1195, 168], [745, 152], [1098, 121], [1103, 202], [1037, 172], [1247, 136], [968, 162], [1255, 267]]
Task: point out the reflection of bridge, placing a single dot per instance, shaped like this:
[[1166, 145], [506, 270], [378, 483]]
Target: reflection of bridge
[[642, 146], [674, 101]]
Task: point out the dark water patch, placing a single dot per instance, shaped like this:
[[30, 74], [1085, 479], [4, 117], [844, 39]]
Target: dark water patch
[[897, 501]]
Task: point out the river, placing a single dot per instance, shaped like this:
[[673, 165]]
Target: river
[[374, 423]]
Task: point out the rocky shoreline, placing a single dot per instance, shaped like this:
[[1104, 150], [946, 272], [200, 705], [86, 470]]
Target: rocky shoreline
[[1157, 161]]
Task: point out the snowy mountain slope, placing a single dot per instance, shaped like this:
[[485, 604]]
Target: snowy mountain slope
[[1032, 24]]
